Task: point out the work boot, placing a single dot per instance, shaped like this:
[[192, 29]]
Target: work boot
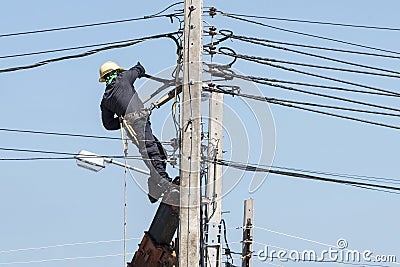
[[171, 196], [156, 190]]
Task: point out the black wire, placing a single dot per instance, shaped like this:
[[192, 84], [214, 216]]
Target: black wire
[[228, 255], [329, 68], [310, 35], [329, 96], [261, 61], [316, 22], [59, 134], [351, 176], [374, 189], [324, 87], [168, 7], [88, 53], [252, 78], [213, 161], [251, 168], [248, 40], [69, 135], [37, 158], [66, 49], [261, 81], [259, 167], [316, 47], [334, 107], [65, 153], [156, 15], [260, 98]]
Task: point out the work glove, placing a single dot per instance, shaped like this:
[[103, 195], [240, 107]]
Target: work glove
[[141, 69]]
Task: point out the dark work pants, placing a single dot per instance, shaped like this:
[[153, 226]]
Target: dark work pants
[[149, 147]]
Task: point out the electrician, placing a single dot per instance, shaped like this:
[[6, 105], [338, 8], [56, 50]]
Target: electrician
[[121, 104]]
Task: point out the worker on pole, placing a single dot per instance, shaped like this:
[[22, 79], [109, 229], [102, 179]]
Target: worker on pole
[[122, 107]]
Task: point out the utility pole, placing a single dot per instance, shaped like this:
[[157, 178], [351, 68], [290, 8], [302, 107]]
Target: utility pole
[[214, 184], [189, 225], [248, 227]]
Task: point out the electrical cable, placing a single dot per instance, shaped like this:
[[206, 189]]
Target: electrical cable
[[341, 175], [88, 53], [272, 101], [66, 49], [261, 81], [295, 237], [321, 86], [334, 107], [314, 47], [67, 134], [316, 22], [227, 250], [249, 40], [326, 58], [156, 15], [350, 176], [61, 259], [59, 153], [271, 81], [309, 35], [262, 61], [64, 245], [251, 168]]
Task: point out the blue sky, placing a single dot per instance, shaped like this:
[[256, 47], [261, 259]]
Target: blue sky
[[44, 203]]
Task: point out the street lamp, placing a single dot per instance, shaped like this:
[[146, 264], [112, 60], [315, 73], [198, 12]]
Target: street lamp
[[96, 163]]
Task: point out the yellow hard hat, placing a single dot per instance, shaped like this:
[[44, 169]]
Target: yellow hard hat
[[106, 68]]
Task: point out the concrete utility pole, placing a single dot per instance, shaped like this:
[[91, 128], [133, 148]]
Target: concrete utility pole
[[214, 185], [189, 225], [248, 227]]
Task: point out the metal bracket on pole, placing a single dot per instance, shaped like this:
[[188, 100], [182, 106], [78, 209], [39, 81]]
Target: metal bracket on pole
[[214, 234]]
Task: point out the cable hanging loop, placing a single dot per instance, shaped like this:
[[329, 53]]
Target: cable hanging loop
[[232, 54]]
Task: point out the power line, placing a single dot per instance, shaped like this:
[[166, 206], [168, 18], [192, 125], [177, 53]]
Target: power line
[[61, 259], [350, 176], [333, 107], [37, 158], [66, 49], [267, 82], [157, 15], [90, 52], [263, 61], [59, 153], [59, 134], [251, 168], [277, 102], [341, 175], [271, 81], [314, 47], [316, 22], [295, 237], [249, 40], [64, 245], [309, 35], [323, 86]]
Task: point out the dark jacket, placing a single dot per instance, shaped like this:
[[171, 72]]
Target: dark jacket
[[120, 97]]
